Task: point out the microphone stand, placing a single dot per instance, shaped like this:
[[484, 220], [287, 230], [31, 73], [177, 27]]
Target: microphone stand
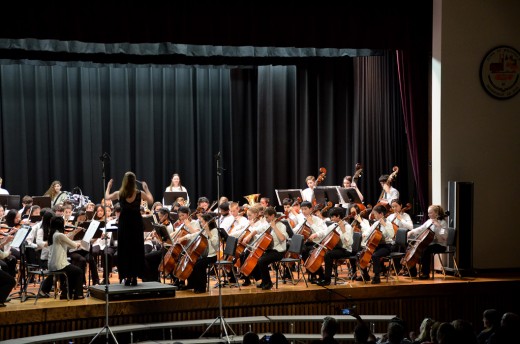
[[220, 318], [105, 158]]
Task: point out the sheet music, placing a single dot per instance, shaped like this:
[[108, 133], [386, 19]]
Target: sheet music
[[20, 236], [85, 242]]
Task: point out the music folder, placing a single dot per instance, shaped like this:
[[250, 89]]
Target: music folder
[[170, 197], [20, 236], [148, 223], [324, 194], [288, 193], [162, 233], [92, 232], [349, 195]]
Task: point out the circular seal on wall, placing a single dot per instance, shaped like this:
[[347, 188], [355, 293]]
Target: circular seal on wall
[[500, 72]]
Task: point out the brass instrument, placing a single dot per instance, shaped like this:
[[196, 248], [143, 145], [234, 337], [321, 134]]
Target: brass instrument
[[252, 199], [144, 204]]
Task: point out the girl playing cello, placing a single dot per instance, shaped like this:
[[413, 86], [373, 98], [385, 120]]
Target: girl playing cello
[[437, 224]]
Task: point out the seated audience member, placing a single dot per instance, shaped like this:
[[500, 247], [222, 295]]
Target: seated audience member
[[508, 331], [251, 338], [464, 331], [424, 331], [328, 330], [491, 322]]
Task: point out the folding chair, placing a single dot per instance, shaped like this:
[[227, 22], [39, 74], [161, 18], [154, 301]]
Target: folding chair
[[296, 247]]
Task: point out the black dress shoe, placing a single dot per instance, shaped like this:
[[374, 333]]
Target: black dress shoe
[[2, 304], [424, 277], [133, 281], [246, 283], [199, 291], [267, 286], [127, 282], [323, 283], [376, 280]]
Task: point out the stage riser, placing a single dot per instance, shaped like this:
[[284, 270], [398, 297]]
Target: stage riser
[[444, 302]]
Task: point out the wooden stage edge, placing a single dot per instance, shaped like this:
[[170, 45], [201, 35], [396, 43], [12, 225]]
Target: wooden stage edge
[[442, 299]]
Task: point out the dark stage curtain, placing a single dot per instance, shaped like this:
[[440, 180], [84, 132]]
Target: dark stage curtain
[[273, 125]]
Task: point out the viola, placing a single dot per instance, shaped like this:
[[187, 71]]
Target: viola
[[258, 248], [317, 255], [355, 223]]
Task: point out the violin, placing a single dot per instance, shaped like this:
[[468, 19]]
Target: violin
[[258, 248], [356, 222]]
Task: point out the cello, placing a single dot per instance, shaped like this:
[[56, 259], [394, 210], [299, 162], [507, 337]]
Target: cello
[[355, 223], [372, 242], [257, 249], [317, 255], [415, 251], [196, 248], [403, 210]]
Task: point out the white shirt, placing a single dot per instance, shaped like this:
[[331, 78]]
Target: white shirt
[[213, 244], [278, 245], [390, 195], [346, 237], [58, 251], [317, 226], [42, 244], [4, 192], [226, 221], [405, 222], [441, 232], [387, 230], [239, 226]]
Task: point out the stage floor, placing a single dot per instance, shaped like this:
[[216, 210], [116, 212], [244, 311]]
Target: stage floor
[[409, 299]]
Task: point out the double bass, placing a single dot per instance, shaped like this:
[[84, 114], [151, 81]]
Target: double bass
[[257, 249], [389, 181], [319, 180]]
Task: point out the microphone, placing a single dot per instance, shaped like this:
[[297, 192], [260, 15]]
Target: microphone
[[104, 157], [217, 156]]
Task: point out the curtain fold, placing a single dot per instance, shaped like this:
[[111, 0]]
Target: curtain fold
[[273, 125]]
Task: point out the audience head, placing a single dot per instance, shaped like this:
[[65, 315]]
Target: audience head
[[446, 334], [361, 333], [329, 327], [251, 338], [464, 331]]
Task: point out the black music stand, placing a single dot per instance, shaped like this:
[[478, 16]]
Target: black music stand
[[170, 197], [288, 193], [148, 223], [324, 194], [349, 195], [10, 201], [35, 218], [42, 201]]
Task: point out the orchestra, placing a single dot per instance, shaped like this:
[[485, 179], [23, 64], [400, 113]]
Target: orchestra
[[263, 238]]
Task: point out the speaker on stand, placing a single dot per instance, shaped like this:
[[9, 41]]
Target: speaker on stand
[[460, 207]]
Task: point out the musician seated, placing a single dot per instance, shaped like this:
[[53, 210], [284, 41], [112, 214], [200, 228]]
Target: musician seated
[[7, 283], [389, 192], [438, 225], [240, 222], [359, 224], [344, 247], [317, 227], [384, 246], [197, 280], [274, 252]]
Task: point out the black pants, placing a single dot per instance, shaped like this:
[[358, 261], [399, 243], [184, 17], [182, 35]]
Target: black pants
[[75, 277], [426, 257], [80, 258], [330, 256], [7, 283], [382, 250], [198, 278], [261, 270]]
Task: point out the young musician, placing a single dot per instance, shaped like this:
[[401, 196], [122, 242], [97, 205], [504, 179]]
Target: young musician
[[226, 219], [436, 222], [348, 183], [256, 225], [400, 218], [54, 192], [58, 246], [176, 186], [308, 193], [3, 191], [7, 282], [385, 244], [344, 247], [198, 279], [264, 201], [240, 223], [389, 192], [317, 226], [273, 253]]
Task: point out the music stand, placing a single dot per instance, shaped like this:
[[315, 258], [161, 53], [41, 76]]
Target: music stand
[[42, 201], [165, 239], [324, 194], [35, 218], [288, 193], [349, 195], [10, 201], [148, 223], [19, 242], [170, 197]]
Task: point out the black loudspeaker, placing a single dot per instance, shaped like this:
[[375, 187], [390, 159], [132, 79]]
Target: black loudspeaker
[[460, 207]]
